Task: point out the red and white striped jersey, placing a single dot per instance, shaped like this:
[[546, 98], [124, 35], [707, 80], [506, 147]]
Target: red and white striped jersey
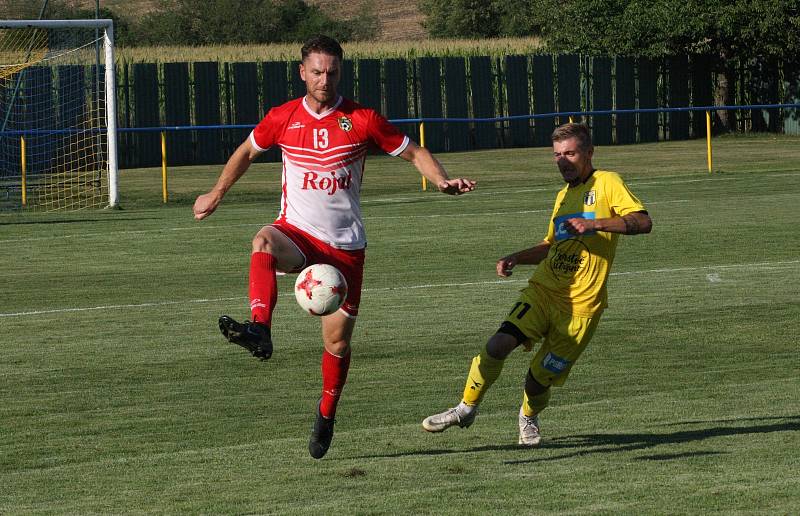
[[323, 164]]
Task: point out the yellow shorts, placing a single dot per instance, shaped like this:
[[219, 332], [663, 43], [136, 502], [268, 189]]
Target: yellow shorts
[[564, 336]]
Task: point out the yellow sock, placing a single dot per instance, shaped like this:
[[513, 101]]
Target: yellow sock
[[482, 374], [534, 404]]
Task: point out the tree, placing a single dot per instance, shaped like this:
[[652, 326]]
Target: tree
[[204, 22], [60, 10], [722, 31], [462, 18]]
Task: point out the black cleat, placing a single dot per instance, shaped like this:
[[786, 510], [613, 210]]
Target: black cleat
[[321, 436], [253, 337]]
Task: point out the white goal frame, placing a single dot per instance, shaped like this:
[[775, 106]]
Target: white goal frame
[[107, 26]]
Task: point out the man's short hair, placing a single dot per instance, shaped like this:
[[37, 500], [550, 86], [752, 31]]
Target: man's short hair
[[322, 44], [573, 130]]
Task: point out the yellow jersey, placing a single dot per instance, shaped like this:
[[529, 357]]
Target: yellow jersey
[[575, 272]]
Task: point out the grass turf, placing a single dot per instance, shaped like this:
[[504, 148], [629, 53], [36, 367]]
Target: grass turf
[[119, 395]]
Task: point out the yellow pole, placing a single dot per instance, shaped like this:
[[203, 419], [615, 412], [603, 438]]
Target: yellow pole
[[24, 175], [422, 144], [571, 121], [164, 193], [708, 138]]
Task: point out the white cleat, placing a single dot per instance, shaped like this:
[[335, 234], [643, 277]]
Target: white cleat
[[529, 430], [448, 418]]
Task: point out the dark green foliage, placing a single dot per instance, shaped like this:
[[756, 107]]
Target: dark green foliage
[[733, 29], [211, 22], [462, 18], [61, 10], [729, 29], [479, 18], [720, 33], [205, 22]]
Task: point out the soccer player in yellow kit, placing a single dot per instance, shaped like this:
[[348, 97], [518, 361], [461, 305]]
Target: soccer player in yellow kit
[[566, 295]]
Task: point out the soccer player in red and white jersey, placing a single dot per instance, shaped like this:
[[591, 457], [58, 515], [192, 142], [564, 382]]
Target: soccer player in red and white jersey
[[324, 139]]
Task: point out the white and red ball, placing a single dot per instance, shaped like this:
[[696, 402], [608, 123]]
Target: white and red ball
[[320, 289]]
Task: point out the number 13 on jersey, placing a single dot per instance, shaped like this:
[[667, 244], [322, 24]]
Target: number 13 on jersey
[[320, 138]]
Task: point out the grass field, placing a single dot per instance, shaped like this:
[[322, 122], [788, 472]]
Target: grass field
[[118, 395]]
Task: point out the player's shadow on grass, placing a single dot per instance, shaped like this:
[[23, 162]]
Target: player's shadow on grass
[[488, 447], [588, 444], [674, 456]]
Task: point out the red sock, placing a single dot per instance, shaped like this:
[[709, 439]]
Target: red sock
[[334, 374], [263, 287]]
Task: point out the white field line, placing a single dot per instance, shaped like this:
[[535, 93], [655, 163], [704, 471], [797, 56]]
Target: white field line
[[201, 226], [403, 287], [128, 232], [476, 193], [661, 180], [711, 267], [658, 180], [491, 213]]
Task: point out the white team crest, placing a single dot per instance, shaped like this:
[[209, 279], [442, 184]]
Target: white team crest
[[345, 123], [589, 198]]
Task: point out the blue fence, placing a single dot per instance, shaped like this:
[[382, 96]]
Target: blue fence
[[435, 125]]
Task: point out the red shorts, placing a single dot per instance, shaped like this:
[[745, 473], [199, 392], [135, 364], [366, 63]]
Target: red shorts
[[314, 250]]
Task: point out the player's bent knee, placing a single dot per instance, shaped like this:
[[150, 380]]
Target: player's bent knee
[[262, 244], [533, 387], [500, 345]]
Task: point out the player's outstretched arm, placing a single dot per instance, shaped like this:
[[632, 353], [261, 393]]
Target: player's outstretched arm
[[434, 172], [236, 166], [530, 256]]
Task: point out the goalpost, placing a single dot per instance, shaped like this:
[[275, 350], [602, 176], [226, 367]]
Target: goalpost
[[58, 130]]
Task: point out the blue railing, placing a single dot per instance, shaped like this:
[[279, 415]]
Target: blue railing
[[421, 121], [173, 128]]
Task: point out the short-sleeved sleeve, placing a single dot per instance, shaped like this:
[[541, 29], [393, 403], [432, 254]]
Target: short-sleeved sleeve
[[386, 136], [265, 134], [621, 200]]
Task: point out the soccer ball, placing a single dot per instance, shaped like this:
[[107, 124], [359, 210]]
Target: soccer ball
[[320, 289]]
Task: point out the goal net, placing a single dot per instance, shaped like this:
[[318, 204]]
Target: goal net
[[57, 116]]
